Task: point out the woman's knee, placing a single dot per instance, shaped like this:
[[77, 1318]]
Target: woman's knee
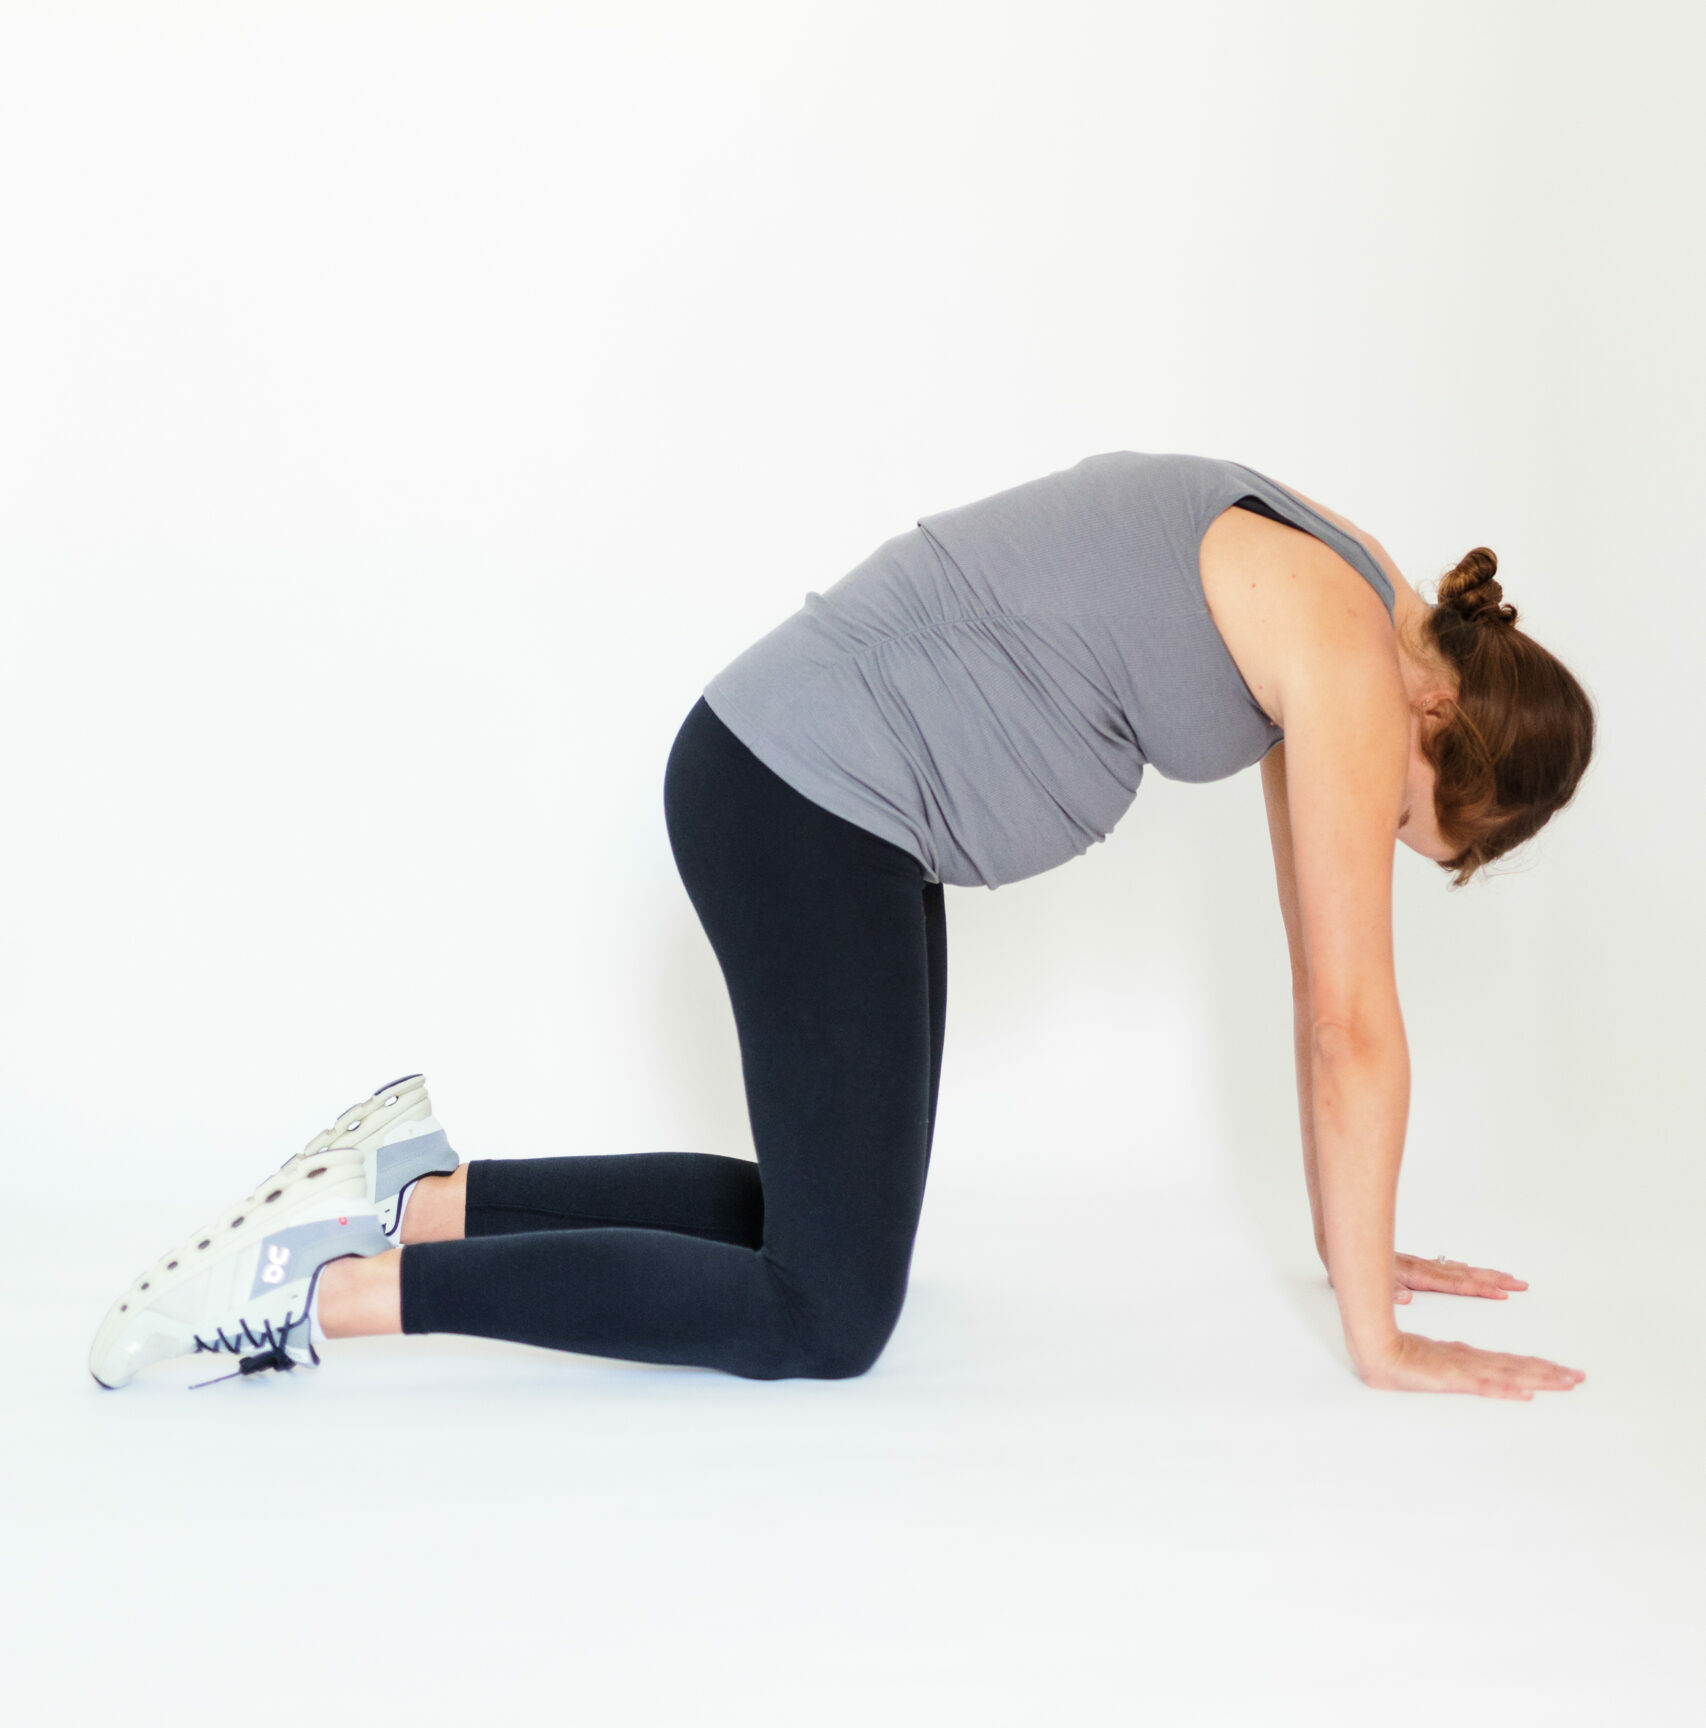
[[847, 1359], [841, 1336]]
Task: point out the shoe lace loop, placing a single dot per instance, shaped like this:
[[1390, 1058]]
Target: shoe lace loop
[[269, 1346]]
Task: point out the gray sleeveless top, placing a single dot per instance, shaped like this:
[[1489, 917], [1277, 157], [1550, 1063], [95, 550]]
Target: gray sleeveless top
[[986, 689]]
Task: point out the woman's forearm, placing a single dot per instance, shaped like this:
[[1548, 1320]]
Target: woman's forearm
[[1303, 1056], [1360, 1087]]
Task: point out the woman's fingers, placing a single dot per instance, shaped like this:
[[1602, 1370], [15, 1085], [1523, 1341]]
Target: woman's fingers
[[1456, 1278], [1502, 1280], [1480, 1281], [1537, 1371], [1505, 1375], [1420, 1364]]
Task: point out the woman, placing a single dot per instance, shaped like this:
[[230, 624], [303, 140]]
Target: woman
[[973, 704]]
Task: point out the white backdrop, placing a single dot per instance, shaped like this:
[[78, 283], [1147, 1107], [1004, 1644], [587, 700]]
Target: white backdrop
[[405, 409]]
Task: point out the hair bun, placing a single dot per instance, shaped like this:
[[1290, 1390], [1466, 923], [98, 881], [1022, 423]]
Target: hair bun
[[1472, 591]]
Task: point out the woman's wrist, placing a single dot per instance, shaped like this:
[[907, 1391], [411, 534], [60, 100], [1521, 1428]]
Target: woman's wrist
[[1370, 1347], [1364, 1295]]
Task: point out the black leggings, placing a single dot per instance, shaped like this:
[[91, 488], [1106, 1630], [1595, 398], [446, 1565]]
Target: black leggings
[[834, 950]]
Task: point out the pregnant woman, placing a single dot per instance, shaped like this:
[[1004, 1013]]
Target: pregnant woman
[[973, 704]]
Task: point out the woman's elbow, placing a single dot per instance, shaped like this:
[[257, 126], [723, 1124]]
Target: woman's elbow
[[1342, 1037]]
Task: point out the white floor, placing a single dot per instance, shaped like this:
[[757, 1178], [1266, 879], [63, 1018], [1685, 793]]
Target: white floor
[[1113, 1467]]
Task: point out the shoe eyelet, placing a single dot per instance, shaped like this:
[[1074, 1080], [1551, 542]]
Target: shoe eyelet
[[391, 1100], [274, 1195], [144, 1286], [124, 1307], [350, 1127], [171, 1265], [235, 1222], [320, 1172], [204, 1242]]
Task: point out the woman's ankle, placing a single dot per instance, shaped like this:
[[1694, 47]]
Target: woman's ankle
[[437, 1208], [361, 1298]]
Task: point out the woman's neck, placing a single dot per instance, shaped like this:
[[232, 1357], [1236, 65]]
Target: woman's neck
[[1425, 669]]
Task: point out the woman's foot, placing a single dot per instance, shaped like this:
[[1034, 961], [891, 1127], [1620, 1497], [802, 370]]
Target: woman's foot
[[362, 1298], [351, 1183], [396, 1139], [437, 1209], [243, 1286]]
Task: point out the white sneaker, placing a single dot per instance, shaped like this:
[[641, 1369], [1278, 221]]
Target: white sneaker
[[242, 1287], [346, 1186], [395, 1137]]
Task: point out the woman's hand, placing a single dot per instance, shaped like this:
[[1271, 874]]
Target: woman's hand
[[1416, 1364], [1454, 1277]]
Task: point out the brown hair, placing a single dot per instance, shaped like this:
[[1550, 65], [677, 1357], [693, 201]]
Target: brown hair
[[1519, 734]]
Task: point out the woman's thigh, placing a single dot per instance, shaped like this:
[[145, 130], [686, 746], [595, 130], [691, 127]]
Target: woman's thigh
[[820, 929]]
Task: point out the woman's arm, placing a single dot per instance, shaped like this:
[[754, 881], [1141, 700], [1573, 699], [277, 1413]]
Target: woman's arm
[[1410, 1271], [1335, 798], [1285, 878], [1346, 720]]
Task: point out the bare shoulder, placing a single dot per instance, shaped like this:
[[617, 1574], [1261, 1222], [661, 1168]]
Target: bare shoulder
[[1346, 751], [1316, 646], [1289, 607], [1381, 556]]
